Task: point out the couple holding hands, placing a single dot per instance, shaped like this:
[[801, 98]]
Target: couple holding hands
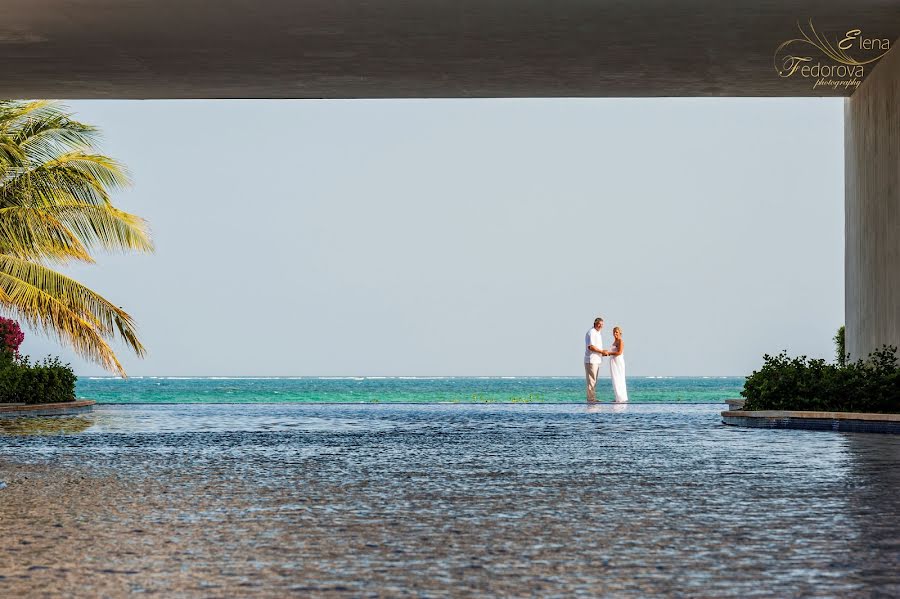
[[593, 357]]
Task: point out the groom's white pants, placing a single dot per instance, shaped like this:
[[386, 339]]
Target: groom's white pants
[[590, 374]]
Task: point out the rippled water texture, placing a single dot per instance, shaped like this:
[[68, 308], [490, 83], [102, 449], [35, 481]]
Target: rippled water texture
[[399, 389], [440, 500]]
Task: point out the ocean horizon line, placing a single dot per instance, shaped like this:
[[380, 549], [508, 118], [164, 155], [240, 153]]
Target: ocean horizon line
[[418, 389], [392, 377], [406, 403]]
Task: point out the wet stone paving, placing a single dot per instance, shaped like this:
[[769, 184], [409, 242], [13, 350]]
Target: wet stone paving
[[274, 500]]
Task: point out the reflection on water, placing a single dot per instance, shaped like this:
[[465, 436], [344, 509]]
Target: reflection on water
[[434, 500], [44, 425], [613, 408], [874, 481]]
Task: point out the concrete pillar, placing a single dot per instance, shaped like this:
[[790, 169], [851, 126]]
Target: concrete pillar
[[872, 209]]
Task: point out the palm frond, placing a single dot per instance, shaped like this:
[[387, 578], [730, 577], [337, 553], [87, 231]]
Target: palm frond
[[91, 227], [44, 139], [102, 170], [36, 234], [60, 305], [86, 177], [108, 318], [14, 113], [54, 207], [42, 311], [50, 185], [10, 153]]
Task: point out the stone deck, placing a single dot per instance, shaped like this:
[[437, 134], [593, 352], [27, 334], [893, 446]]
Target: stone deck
[[858, 422]]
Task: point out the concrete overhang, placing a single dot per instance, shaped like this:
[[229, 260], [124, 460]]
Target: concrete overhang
[[416, 48]]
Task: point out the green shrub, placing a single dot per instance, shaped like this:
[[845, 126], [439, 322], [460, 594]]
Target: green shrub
[[783, 383], [47, 381], [10, 377], [840, 348]]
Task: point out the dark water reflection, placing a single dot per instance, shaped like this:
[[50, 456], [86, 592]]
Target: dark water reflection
[[439, 500]]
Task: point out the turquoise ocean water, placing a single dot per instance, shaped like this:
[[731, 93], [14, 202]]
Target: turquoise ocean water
[[399, 389]]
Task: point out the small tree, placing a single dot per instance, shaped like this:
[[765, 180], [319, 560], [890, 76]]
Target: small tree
[[839, 348]]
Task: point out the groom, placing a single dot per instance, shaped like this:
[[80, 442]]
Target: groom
[[593, 355]]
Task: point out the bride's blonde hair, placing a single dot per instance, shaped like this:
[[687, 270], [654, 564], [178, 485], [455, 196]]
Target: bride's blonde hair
[[617, 329]]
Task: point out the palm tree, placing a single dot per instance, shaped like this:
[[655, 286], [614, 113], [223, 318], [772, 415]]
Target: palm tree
[[55, 208]]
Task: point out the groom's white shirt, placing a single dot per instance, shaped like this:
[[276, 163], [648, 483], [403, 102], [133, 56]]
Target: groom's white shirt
[[592, 338]]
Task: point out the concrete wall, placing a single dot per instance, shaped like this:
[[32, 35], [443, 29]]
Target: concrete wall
[[872, 209]]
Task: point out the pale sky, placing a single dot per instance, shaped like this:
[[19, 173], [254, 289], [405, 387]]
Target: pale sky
[[474, 237]]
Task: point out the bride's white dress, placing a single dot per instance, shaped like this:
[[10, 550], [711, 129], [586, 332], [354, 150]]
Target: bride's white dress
[[617, 373]]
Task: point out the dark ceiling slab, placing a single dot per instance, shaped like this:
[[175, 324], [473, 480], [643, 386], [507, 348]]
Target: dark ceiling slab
[[409, 48]]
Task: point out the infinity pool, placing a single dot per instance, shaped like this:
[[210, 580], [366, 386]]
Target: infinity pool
[[437, 500]]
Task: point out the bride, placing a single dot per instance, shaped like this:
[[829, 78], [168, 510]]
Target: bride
[[617, 366]]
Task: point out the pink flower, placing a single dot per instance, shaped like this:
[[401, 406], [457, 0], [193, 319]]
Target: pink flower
[[11, 335]]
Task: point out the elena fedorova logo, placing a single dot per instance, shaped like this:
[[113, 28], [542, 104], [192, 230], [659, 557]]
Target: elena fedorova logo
[[835, 63]]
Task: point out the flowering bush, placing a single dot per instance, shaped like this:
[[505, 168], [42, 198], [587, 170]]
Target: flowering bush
[[47, 381], [11, 335]]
